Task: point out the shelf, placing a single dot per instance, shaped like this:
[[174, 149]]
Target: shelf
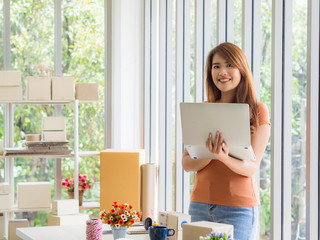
[[37, 102], [40, 155], [81, 154], [16, 209], [90, 205], [89, 153]]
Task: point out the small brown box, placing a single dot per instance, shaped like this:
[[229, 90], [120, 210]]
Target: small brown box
[[62, 88], [87, 91], [14, 224], [39, 88]]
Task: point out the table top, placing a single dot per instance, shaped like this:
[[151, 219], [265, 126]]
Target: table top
[[73, 232]]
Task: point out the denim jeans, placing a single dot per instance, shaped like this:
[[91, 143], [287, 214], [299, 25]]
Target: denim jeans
[[244, 219]]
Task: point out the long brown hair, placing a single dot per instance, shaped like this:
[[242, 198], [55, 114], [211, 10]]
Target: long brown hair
[[245, 92]]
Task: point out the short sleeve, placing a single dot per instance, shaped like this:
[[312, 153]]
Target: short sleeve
[[263, 114]]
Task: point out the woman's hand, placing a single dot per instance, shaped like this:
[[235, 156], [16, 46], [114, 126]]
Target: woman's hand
[[219, 148]]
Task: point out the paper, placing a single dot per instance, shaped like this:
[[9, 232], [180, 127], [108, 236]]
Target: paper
[[149, 174]]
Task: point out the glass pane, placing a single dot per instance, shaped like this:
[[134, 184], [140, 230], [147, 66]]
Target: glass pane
[[32, 53], [299, 83], [265, 89], [2, 166], [238, 22], [83, 58], [214, 15], [1, 36]]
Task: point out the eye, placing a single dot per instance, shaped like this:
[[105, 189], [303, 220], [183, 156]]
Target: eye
[[215, 66], [229, 65]]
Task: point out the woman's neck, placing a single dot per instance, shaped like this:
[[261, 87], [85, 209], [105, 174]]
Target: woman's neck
[[226, 97]]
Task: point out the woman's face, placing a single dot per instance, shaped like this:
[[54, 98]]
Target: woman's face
[[224, 75]]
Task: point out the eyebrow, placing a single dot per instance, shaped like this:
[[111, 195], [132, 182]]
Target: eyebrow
[[217, 63]]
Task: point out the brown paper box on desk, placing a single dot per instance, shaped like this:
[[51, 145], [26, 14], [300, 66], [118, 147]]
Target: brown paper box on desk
[[87, 91], [174, 220], [11, 93], [10, 78], [54, 136], [14, 224], [195, 230], [66, 220], [39, 88], [120, 178], [62, 88]]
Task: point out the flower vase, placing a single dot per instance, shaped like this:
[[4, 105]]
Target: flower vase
[[120, 232], [71, 196]]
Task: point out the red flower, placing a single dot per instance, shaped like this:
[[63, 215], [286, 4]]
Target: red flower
[[114, 204], [112, 210], [131, 221], [121, 222], [102, 215], [119, 213], [122, 206], [130, 206], [138, 214], [108, 222]]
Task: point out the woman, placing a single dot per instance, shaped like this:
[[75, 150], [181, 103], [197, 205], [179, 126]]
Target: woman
[[225, 190]]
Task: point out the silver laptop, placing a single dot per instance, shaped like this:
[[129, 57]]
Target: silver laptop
[[231, 119]]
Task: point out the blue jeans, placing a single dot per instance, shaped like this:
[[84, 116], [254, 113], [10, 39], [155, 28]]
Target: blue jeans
[[244, 219]]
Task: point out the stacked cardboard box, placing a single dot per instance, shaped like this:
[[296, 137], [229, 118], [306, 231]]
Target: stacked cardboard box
[[4, 196], [10, 86], [66, 212], [54, 129], [87, 91], [39, 88]]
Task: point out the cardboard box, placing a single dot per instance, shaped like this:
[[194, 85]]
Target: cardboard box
[[62, 88], [176, 221], [74, 219], [53, 124], [10, 78], [54, 136], [14, 224], [87, 91], [5, 202], [39, 88], [192, 231], [34, 195], [65, 207], [122, 166], [4, 188], [1, 227], [11, 93]]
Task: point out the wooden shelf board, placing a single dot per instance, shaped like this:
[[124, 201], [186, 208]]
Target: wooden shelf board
[[39, 155]]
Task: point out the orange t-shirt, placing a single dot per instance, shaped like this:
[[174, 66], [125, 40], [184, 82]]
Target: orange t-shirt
[[218, 184]]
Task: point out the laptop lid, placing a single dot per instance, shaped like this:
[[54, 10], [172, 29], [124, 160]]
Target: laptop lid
[[231, 119]]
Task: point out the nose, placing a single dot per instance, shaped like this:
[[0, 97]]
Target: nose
[[223, 72]]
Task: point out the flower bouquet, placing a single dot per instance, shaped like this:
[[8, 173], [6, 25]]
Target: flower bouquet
[[120, 215], [217, 236], [84, 184]]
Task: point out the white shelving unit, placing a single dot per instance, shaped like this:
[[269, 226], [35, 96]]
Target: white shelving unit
[[9, 160]]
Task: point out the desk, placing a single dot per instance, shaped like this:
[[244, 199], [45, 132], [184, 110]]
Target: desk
[[74, 232]]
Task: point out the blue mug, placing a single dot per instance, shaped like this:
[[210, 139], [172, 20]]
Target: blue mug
[[160, 232]]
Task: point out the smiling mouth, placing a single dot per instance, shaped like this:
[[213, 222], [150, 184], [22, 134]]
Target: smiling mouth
[[224, 80]]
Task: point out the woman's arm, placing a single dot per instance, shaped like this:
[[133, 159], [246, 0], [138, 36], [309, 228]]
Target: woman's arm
[[247, 168], [190, 164]]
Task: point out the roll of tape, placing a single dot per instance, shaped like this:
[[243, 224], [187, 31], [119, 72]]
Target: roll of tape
[[94, 229], [33, 137]]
